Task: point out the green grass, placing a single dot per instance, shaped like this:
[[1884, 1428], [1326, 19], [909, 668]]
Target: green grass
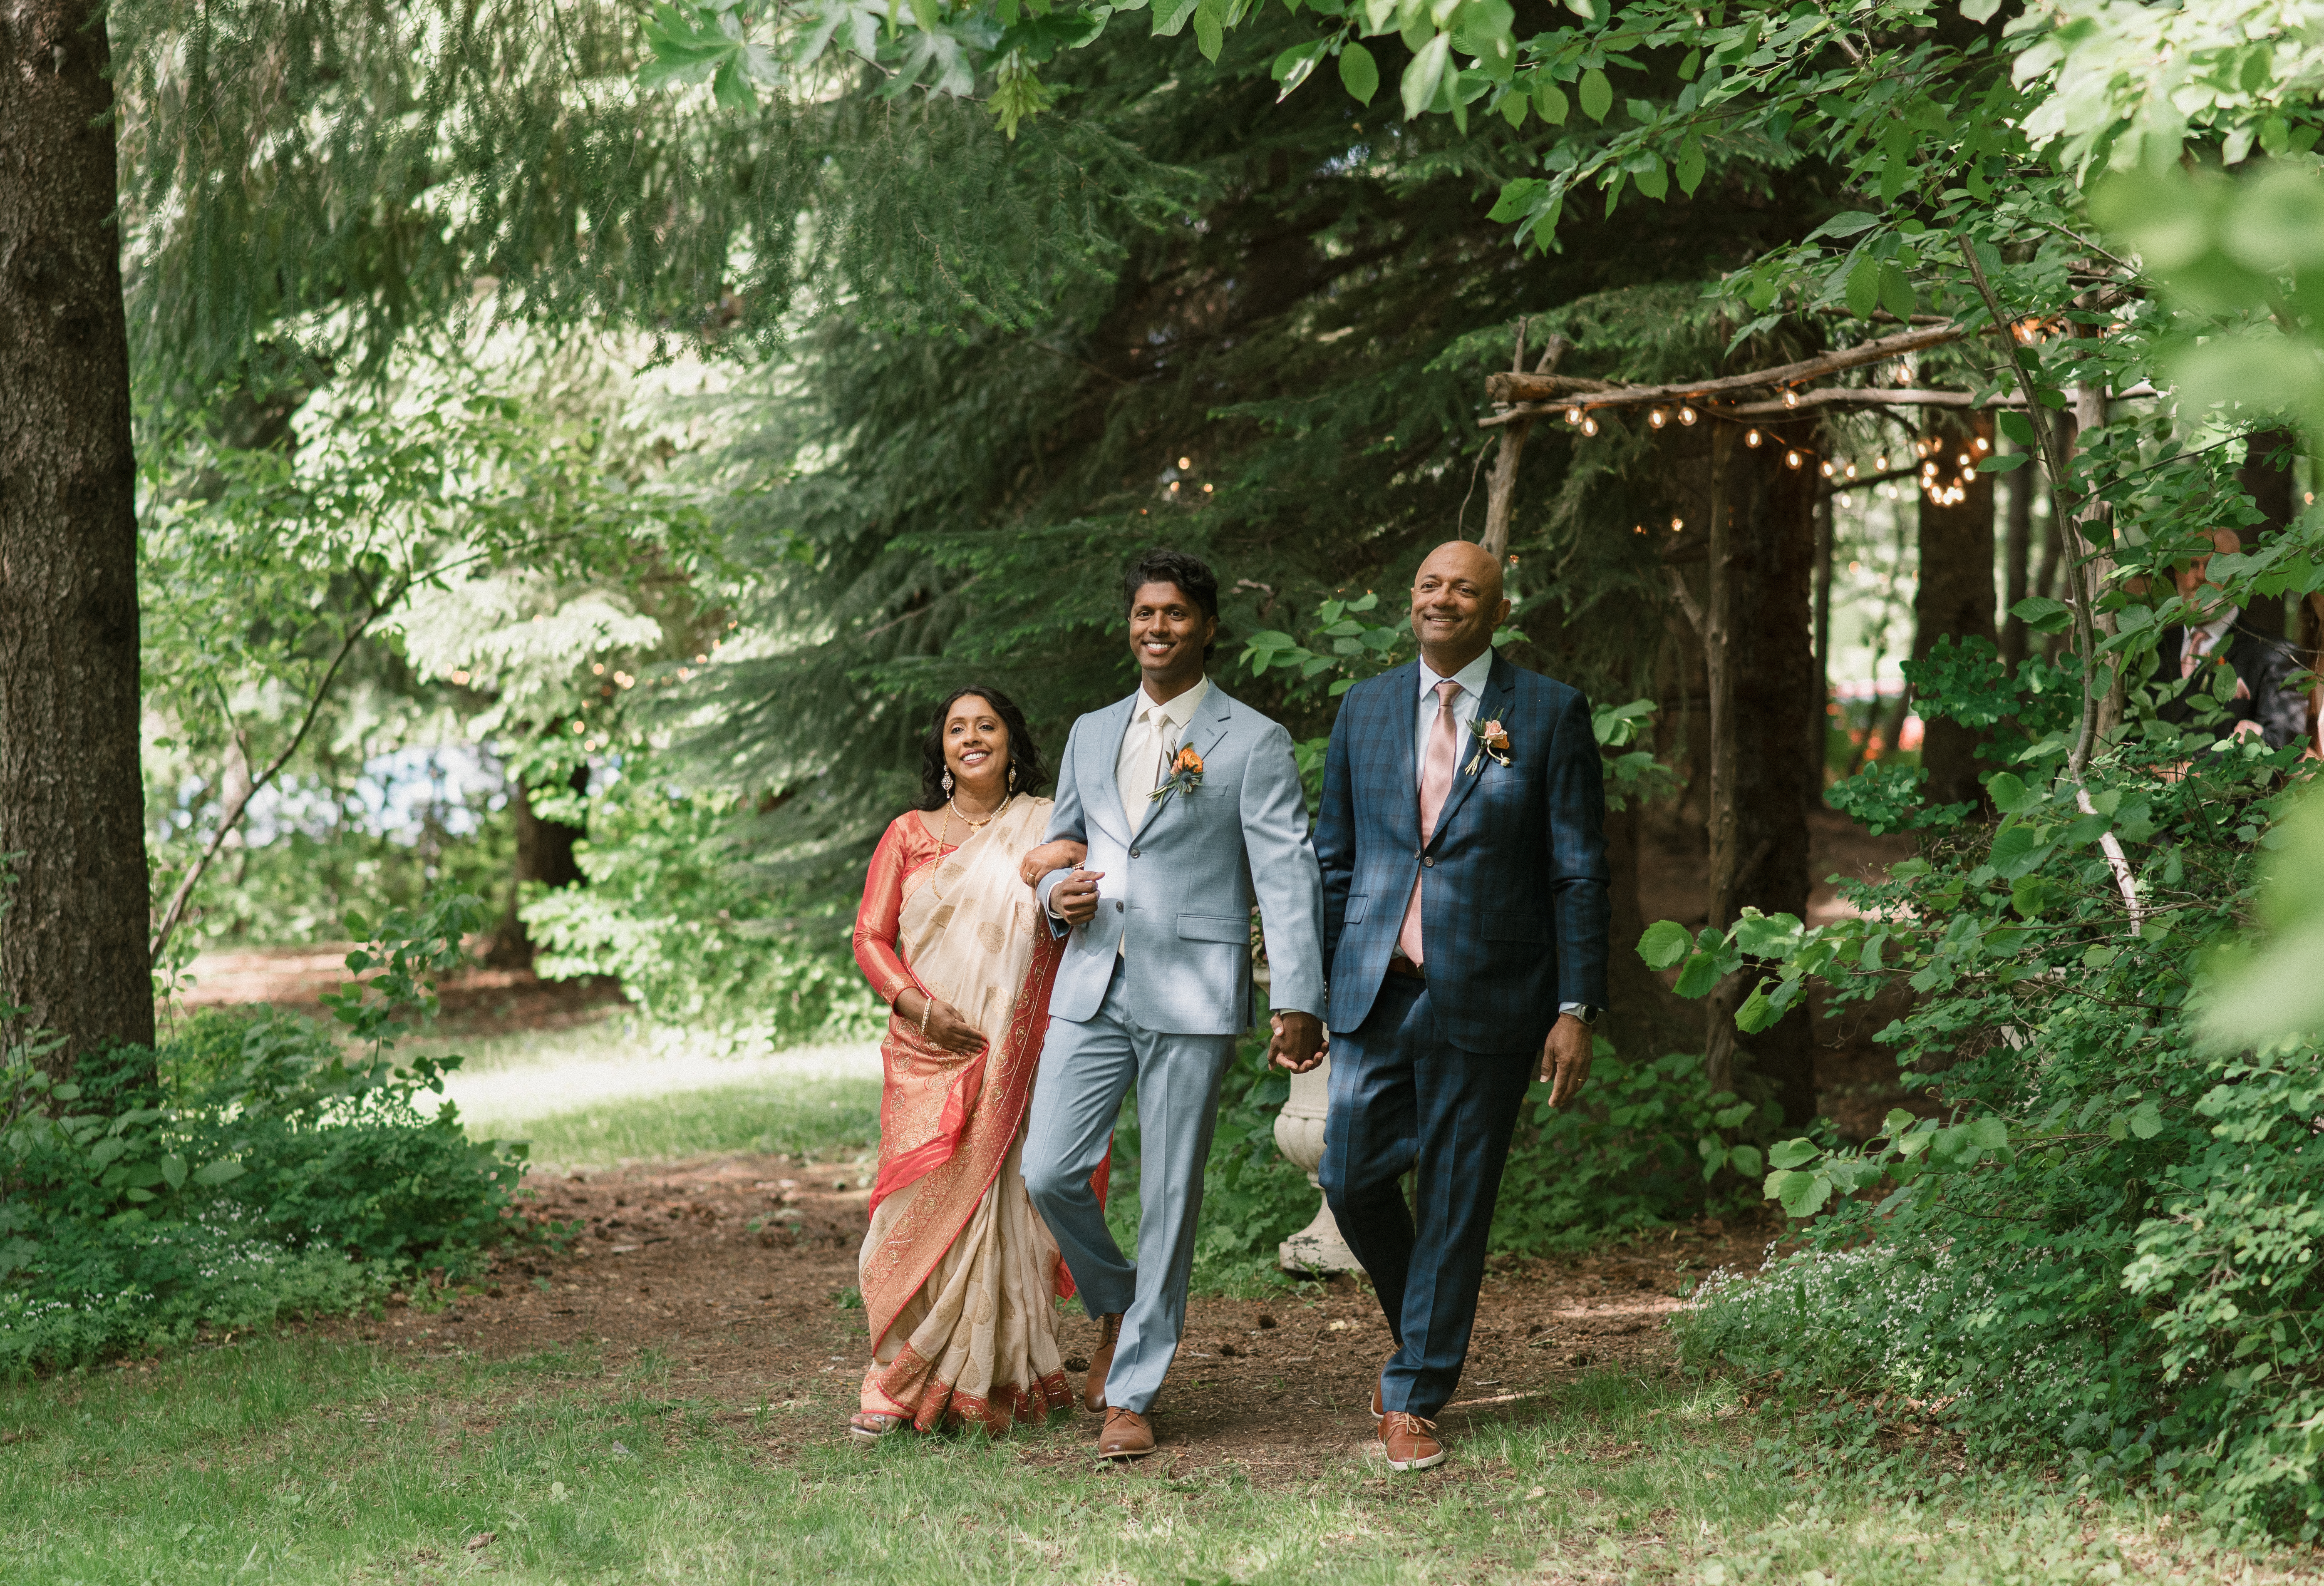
[[289, 1460], [825, 1118]]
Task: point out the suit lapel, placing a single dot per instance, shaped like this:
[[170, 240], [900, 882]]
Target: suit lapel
[[1403, 695], [1204, 732], [1100, 752], [1500, 693]]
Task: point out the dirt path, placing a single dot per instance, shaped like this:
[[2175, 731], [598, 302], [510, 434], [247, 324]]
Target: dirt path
[[670, 1264]]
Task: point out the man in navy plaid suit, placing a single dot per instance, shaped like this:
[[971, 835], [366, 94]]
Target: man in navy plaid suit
[[1465, 924]]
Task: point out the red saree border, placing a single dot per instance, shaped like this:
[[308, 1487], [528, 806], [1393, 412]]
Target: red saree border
[[911, 1384]]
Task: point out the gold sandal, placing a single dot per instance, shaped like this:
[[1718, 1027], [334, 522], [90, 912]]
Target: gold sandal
[[871, 1428]]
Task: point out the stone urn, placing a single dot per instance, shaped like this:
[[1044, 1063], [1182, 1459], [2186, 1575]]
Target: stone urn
[[1299, 1135]]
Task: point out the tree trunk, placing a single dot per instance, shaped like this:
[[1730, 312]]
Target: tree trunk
[[1955, 596], [2016, 560], [1643, 1019], [72, 808], [1820, 711], [1761, 561], [2270, 486], [544, 854]]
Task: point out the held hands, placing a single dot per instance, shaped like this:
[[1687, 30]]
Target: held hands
[[1565, 1059], [945, 1028], [1075, 899], [1062, 854], [1298, 1043]]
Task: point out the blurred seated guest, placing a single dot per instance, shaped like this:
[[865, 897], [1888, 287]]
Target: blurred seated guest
[[958, 1270], [2262, 705]]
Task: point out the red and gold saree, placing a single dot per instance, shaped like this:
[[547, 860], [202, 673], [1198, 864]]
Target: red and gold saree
[[958, 1271]]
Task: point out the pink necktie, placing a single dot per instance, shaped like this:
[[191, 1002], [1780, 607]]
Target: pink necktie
[[1436, 783]]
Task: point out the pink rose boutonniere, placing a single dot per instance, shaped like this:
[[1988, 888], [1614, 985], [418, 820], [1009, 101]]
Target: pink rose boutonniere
[[1493, 739]]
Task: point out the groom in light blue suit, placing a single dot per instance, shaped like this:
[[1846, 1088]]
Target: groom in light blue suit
[[1190, 806]]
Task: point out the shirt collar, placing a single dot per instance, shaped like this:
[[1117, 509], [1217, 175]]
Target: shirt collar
[[1177, 710], [1472, 678]]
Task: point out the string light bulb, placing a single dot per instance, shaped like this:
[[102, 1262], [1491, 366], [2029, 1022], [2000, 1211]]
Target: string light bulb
[[1851, 470], [1881, 462], [1186, 462], [1686, 415], [1638, 528], [1589, 425], [1826, 470], [1751, 438], [1791, 397], [1677, 524], [1657, 417], [1982, 445], [1573, 415], [1790, 459]]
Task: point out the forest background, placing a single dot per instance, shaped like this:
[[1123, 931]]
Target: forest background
[[564, 476]]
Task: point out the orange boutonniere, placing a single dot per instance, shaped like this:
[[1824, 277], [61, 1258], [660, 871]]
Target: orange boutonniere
[[1493, 739], [1184, 775]]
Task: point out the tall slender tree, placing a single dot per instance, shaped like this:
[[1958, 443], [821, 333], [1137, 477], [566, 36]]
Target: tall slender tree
[[72, 948]]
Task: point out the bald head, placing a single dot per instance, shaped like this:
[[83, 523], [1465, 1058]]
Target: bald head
[[1456, 604]]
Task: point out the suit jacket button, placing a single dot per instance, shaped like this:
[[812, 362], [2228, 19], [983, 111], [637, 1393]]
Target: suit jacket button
[[1133, 854], [1117, 909], [1428, 865]]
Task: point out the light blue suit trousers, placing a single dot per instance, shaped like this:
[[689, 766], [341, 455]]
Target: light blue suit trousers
[[1088, 1066]]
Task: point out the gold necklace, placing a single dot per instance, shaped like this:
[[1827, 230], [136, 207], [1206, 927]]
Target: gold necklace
[[952, 810]]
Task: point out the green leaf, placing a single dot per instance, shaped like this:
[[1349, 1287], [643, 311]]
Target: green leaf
[[1701, 974], [1756, 1012], [1208, 34], [1803, 1195], [2002, 462], [2145, 1121], [1988, 1133], [1980, 11], [1664, 943], [2009, 793], [173, 1171], [1796, 1153], [2042, 615], [1513, 108], [1863, 288], [1745, 1160], [1766, 935], [1597, 95], [1654, 180], [1549, 102], [1689, 166], [1896, 292], [2017, 426], [219, 1172], [1847, 223], [1425, 75]]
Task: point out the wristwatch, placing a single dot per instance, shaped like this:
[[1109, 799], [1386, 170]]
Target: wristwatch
[[1585, 1011]]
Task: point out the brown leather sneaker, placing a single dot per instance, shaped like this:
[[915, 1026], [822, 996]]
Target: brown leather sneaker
[[1127, 1436], [1109, 1333], [1410, 1442]]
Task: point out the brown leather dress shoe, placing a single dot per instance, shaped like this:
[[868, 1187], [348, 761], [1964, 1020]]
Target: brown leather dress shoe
[[1109, 1333], [1410, 1442], [1127, 1436]]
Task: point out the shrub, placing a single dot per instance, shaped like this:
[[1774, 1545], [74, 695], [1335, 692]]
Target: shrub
[[2101, 1251], [249, 1167]]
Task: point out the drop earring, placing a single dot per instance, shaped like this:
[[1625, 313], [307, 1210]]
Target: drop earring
[[1012, 776], [948, 781]]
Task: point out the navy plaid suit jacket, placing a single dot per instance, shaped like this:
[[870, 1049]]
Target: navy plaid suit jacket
[[1515, 914]]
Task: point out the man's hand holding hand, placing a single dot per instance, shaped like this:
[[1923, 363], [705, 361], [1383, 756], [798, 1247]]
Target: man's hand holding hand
[[1075, 899], [1297, 1044], [1565, 1059]]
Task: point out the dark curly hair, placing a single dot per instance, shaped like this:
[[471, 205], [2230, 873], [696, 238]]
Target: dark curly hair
[[1191, 574], [1024, 754]]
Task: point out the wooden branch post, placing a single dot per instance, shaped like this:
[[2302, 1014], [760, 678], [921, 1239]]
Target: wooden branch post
[[1501, 488]]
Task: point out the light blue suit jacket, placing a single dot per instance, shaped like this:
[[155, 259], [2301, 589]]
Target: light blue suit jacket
[[1179, 886]]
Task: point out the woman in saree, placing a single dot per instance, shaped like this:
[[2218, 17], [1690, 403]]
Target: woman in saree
[[957, 1270]]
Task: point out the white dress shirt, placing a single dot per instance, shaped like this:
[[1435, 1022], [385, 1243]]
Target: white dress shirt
[[1471, 678], [1147, 747], [1152, 737]]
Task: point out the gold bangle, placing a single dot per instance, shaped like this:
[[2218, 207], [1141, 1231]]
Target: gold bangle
[[927, 1005]]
